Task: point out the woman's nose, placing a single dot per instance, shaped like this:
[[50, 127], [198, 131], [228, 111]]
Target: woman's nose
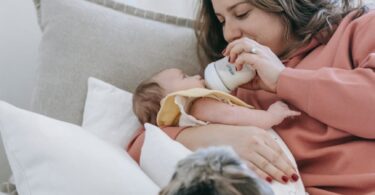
[[231, 32]]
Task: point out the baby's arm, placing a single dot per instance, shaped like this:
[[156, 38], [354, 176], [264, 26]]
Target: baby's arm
[[214, 111]]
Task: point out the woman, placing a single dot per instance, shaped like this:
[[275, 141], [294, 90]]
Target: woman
[[319, 57]]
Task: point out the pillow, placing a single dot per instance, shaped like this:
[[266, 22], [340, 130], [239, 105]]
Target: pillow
[[48, 156], [109, 113], [108, 40], [160, 155]]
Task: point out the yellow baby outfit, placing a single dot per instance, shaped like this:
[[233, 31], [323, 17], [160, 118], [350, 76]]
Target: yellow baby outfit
[[175, 106]]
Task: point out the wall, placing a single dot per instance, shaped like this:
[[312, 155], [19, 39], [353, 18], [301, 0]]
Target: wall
[[19, 38]]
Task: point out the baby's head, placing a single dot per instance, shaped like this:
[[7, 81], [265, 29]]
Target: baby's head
[[147, 96], [214, 171]]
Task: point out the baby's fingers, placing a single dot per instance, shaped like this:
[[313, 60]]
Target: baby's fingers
[[294, 113]]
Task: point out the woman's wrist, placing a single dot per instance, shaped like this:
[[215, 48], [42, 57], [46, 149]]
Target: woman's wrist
[[277, 78]]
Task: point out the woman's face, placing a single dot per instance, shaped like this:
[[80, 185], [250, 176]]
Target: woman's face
[[240, 19]]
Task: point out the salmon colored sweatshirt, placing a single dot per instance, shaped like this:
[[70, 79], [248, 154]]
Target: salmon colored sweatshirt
[[333, 85]]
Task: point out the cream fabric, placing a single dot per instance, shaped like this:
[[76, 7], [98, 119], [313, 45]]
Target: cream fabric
[[185, 119]]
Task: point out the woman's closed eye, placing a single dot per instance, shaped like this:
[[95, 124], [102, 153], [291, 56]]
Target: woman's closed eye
[[242, 15], [238, 16]]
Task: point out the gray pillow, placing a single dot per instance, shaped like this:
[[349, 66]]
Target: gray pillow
[[116, 43]]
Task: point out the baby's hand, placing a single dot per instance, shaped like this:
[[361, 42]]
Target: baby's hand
[[282, 111]]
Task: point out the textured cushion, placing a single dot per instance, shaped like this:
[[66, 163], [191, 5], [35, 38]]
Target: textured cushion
[[51, 157], [118, 44]]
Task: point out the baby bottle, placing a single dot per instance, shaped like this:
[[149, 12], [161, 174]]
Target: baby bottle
[[223, 76]]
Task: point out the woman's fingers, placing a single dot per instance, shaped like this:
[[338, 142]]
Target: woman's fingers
[[237, 49], [260, 57], [246, 58], [268, 168], [276, 147], [259, 172], [231, 45], [276, 158], [245, 42]]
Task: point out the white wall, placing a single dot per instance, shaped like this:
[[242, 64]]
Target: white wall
[[19, 38]]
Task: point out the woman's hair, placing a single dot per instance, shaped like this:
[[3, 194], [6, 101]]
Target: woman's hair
[[304, 19], [214, 171], [146, 101]]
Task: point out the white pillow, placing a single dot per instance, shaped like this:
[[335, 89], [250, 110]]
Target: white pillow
[[108, 113], [160, 155], [51, 157]]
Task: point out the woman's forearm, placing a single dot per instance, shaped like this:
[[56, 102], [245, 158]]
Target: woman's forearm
[[212, 135]]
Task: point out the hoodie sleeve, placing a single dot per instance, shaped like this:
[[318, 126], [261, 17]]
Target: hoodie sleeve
[[341, 97]]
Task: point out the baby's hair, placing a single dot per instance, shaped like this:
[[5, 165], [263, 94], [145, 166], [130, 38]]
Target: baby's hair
[[146, 101], [214, 171]]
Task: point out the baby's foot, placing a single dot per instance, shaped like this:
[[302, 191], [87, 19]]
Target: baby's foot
[[281, 111]]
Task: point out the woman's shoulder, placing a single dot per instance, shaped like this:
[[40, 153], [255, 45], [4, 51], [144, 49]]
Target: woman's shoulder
[[364, 20], [354, 25]]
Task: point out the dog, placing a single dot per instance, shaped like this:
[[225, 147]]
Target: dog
[[215, 171]]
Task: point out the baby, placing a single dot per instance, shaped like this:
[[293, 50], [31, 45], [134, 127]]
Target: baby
[[214, 171], [170, 97]]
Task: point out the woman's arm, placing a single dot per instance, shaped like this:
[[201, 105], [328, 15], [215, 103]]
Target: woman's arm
[[214, 111], [261, 153], [342, 95], [254, 145]]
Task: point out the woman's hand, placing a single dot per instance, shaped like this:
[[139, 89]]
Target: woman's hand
[[267, 65], [254, 145]]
